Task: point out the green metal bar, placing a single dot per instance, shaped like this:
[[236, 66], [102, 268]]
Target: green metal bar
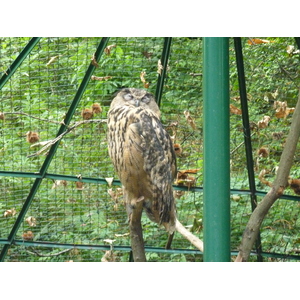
[[297, 39], [128, 249], [216, 188], [164, 62], [247, 132], [18, 61], [53, 149], [117, 182]]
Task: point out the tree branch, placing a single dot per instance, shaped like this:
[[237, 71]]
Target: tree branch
[[34, 252], [58, 138], [280, 183], [31, 116], [189, 236]]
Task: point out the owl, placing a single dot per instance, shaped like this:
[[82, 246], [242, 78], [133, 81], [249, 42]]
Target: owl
[[143, 156]]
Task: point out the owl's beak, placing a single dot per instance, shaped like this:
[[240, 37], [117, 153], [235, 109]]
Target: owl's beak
[[137, 103]]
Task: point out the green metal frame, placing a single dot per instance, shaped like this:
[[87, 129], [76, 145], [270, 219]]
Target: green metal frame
[[164, 62], [247, 132]]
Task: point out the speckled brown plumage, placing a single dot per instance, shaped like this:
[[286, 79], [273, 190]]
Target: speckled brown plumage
[[143, 155]]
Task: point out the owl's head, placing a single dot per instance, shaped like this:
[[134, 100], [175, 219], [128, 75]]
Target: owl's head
[[135, 98]]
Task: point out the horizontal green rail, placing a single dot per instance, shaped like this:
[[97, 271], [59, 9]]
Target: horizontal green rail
[[117, 182], [128, 249]]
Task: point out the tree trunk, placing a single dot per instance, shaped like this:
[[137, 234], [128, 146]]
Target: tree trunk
[[280, 183]]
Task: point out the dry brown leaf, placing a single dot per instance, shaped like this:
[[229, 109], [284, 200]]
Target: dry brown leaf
[[31, 221], [188, 171], [264, 122], [178, 194], [147, 54], [189, 119], [96, 108], [107, 50], [142, 76], [256, 41], [159, 67], [58, 183], [189, 181], [270, 97], [115, 193], [79, 185], [295, 185], [2, 117], [32, 137], [87, 114], [94, 61], [183, 177], [101, 78], [277, 135], [143, 79], [291, 50], [28, 236], [263, 152], [234, 110], [282, 111], [122, 235], [52, 60], [262, 179], [10, 212]]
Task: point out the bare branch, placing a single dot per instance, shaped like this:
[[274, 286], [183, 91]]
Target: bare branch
[[47, 255], [189, 236], [280, 183], [33, 117], [58, 138]]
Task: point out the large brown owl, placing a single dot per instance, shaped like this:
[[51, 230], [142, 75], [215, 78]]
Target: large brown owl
[[143, 156]]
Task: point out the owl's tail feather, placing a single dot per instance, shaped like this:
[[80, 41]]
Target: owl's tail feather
[[188, 235]]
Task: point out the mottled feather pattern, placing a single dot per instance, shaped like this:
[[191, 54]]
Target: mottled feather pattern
[[143, 154]]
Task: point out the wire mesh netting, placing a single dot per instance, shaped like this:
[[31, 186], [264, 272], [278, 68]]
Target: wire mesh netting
[[76, 214]]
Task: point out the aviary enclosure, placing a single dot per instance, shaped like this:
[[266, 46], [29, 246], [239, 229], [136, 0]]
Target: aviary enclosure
[[60, 198]]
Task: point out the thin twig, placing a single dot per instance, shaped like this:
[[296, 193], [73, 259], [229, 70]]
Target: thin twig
[[48, 255], [238, 146], [33, 117], [58, 138]]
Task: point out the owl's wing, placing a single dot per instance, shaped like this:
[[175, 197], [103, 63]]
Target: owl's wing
[[147, 137]]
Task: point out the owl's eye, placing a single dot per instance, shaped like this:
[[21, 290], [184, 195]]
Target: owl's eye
[[128, 97], [146, 99]]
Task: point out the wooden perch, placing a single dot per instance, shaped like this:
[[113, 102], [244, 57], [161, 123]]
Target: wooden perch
[[280, 183], [189, 236]]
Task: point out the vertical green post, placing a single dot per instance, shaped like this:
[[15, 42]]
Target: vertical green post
[[216, 188]]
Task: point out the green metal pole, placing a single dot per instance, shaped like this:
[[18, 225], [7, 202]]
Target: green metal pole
[[164, 62], [18, 61], [216, 187]]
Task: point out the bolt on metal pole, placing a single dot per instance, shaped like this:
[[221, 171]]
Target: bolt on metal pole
[[216, 187]]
